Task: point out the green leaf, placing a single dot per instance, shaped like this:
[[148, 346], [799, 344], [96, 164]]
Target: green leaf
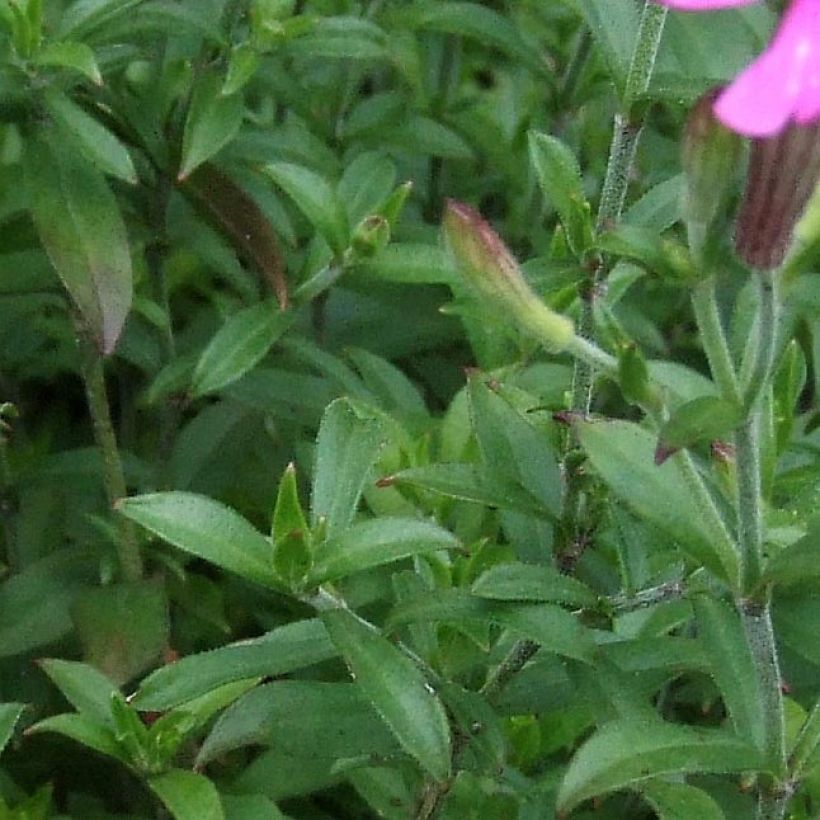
[[123, 628], [680, 801], [532, 582], [512, 448], [328, 720], [83, 686], [280, 651], [732, 667], [614, 25], [288, 515], [35, 603], [555, 629], [86, 731], [86, 17], [187, 795], [410, 263], [799, 562], [469, 482], [347, 446], [70, 54], [623, 454], [213, 121], [667, 653], [250, 807], [397, 690], [559, 176], [238, 346], [477, 22], [343, 37], [203, 527], [366, 183], [9, 715], [79, 223], [372, 543], [242, 65], [316, 199], [660, 207], [705, 418], [628, 751]]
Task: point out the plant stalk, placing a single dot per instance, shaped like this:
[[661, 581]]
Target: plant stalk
[[713, 338], [755, 605], [759, 360], [91, 370]]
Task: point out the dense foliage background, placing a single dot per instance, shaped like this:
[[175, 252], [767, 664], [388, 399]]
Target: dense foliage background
[[233, 206]]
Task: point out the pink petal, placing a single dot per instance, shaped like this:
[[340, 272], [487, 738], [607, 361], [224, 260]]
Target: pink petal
[[703, 5], [783, 83]]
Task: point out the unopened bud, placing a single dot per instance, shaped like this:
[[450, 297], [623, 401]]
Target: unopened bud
[[371, 235], [489, 267], [783, 172], [710, 157]]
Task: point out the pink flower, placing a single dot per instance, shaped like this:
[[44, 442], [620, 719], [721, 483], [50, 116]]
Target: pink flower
[[780, 86]]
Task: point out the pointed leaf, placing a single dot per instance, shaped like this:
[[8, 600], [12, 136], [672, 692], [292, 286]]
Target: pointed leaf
[[624, 455], [381, 541], [288, 515], [799, 562], [680, 801], [531, 582], [213, 121], [205, 528], [705, 418], [84, 730], [733, 667], [238, 346], [187, 795], [469, 482], [559, 177], [347, 446], [280, 651], [397, 690], [83, 686], [512, 447], [70, 54], [314, 717], [79, 223], [316, 199], [235, 213], [9, 715], [244, 61], [628, 751], [96, 142]]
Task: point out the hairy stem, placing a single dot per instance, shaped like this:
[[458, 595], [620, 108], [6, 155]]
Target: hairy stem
[[757, 368], [91, 369], [713, 339]]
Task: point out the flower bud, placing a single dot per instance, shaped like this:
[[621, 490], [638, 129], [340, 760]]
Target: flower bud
[[489, 267], [370, 236], [710, 156], [783, 172]]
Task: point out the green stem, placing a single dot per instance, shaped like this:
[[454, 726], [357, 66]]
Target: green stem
[[713, 339], [755, 611], [91, 369], [749, 516], [512, 664], [757, 625], [625, 137], [759, 360]]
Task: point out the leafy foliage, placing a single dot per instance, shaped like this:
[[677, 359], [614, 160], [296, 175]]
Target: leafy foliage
[[366, 584]]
